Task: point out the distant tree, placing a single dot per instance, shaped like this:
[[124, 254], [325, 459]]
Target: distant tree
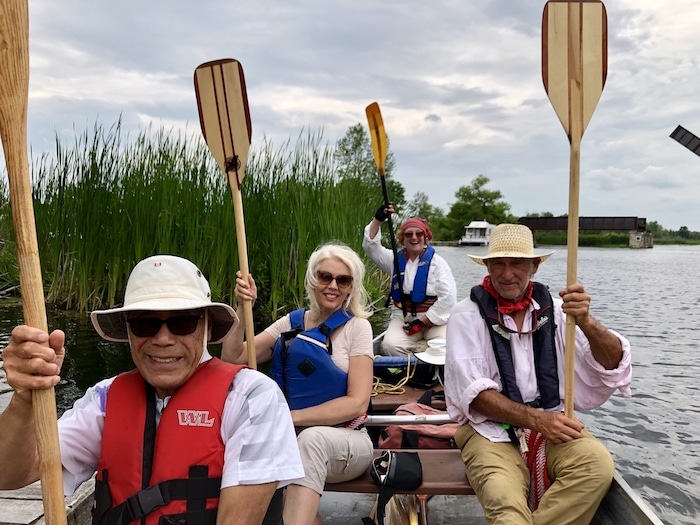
[[654, 227], [354, 160], [475, 202], [683, 232], [420, 207]]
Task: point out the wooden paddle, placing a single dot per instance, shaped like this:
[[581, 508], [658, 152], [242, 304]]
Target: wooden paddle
[[379, 149], [574, 69], [14, 92], [225, 120]]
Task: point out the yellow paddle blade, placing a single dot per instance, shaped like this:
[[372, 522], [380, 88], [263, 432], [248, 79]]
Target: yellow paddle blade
[[574, 60], [223, 113], [377, 135]]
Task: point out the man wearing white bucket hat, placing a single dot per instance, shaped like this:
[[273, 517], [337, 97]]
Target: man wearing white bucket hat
[[182, 438], [504, 382]]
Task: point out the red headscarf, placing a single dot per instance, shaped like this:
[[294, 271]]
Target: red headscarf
[[421, 224]]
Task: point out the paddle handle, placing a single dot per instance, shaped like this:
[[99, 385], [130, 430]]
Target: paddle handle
[[14, 92], [571, 271], [243, 264]]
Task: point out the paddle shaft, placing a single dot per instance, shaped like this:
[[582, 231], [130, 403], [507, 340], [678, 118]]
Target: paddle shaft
[[243, 265], [392, 238], [14, 90], [571, 273]]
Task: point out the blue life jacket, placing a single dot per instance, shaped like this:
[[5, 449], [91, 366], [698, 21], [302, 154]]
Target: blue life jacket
[[302, 364], [420, 283], [544, 347]]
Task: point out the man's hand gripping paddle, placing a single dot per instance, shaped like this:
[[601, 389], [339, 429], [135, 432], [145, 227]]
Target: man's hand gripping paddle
[[14, 93], [379, 149], [225, 120], [574, 69]]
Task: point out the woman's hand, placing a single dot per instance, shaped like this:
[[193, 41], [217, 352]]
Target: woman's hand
[[245, 291]]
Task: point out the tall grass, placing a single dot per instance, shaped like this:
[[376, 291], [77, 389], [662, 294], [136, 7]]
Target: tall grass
[[108, 200]]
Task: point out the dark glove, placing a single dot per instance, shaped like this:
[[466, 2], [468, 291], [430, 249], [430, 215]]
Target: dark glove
[[413, 327], [382, 213]]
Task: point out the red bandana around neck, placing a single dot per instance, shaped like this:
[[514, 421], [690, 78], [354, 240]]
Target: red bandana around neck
[[506, 306]]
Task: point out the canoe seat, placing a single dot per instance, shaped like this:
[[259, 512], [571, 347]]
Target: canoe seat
[[443, 474]]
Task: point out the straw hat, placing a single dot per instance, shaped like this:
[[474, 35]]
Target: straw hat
[[164, 283], [511, 240], [435, 353]]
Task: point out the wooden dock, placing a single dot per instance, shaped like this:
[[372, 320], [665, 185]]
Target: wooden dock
[[24, 506]]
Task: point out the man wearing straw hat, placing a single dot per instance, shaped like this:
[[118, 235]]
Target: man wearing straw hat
[[183, 438], [504, 382]]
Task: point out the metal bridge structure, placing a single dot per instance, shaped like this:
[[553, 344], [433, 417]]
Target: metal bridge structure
[[636, 227], [622, 224]]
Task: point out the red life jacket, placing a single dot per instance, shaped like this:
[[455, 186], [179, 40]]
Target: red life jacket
[[174, 470]]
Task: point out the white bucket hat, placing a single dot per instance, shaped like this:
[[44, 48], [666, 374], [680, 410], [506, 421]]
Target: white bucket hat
[[435, 353], [164, 283], [511, 240]]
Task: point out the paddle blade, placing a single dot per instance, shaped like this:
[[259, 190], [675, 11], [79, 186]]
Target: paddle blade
[[377, 135], [574, 60], [223, 112]]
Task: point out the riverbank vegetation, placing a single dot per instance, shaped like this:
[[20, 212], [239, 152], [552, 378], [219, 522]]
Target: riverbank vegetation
[[107, 201]]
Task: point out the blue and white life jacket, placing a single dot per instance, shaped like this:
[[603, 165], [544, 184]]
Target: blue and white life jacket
[[302, 364], [418, 301]]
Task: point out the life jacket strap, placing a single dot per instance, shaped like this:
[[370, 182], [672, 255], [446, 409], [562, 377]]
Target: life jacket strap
[[196, 489]]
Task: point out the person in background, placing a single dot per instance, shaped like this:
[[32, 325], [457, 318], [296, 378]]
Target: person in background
[[183, 437], [504, 382], [429, 289], [322, 359]]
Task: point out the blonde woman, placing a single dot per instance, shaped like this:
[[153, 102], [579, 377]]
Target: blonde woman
[[322, 360]]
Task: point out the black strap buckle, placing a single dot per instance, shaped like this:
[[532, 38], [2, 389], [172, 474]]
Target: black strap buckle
[[151, 498]]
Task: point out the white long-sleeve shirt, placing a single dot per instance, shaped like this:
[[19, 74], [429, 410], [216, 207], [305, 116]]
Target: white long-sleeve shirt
[[471, 368], [441, 282]]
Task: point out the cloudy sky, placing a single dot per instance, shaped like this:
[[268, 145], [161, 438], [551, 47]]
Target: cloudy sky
[[458, 82]]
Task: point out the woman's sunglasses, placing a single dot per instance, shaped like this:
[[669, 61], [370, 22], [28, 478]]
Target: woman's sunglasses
[[150, 326], [419, 234], [326, 278]]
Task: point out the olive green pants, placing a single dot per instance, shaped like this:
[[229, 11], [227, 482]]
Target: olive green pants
[[580, 472]]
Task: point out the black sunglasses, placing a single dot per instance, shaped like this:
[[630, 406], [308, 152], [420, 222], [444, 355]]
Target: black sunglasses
[[325, 278], [150, 326]]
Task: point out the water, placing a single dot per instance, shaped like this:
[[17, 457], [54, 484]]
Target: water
[[647, 295]]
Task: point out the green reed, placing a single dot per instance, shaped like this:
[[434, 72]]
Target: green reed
[[108, 200]]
